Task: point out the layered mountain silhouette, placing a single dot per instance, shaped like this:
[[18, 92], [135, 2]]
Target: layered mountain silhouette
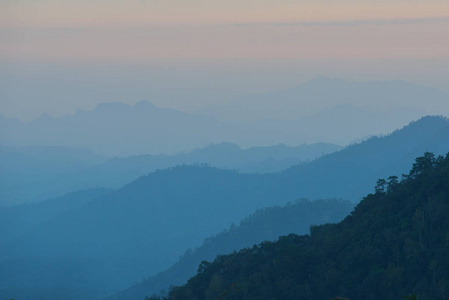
[[120, 129], [332, 110], [393, 245], [121, 237], [224, 156], [359, 164], [311, 97], [338, 111], [34, 173]]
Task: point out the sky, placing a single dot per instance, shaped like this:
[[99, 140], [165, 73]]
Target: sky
[[59, 56]]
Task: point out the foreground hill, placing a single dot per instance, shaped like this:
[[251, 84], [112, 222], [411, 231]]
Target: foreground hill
[[264, 224], [394, 244]]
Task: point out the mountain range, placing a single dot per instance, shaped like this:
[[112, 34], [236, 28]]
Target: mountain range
[[332, 110], [393, 245], [114, 240], [340, 112], [315, 95], [35, 173], [119, 129]]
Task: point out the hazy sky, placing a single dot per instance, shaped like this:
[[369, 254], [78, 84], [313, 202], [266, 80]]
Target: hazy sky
[[57, 56]]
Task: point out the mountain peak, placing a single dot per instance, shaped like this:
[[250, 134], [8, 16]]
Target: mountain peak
[[428, 124], [144, 104], [433, 119]]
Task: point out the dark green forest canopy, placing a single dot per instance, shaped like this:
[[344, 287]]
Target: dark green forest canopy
[[395, 244]]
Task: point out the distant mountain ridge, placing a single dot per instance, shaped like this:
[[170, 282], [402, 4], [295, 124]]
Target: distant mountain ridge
[[333, 110], [224, 155], [321, 110], [312, 96], [34, 173], [117, 128], [358, 165]]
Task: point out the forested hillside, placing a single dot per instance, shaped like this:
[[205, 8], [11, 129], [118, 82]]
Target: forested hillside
[[264, 225], [394, 244]]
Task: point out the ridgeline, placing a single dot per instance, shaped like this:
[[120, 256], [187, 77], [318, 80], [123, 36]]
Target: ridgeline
[[394, 245]]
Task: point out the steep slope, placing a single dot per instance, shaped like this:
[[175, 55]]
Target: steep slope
[[394, 244], [349, 173], [265, 224]]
